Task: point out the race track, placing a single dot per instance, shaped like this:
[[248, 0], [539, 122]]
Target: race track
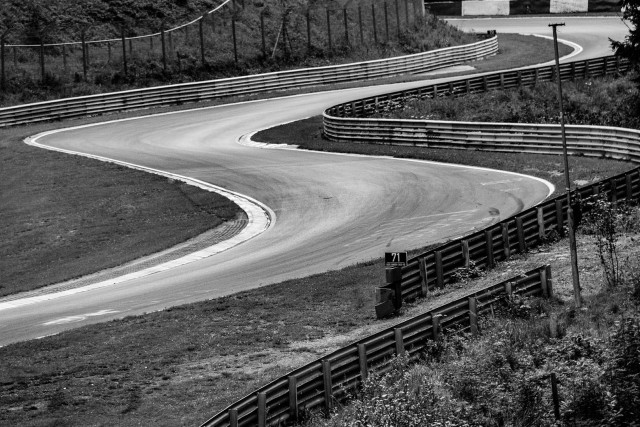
[[330, 210]]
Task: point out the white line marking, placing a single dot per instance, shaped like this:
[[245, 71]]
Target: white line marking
[[79, 318]]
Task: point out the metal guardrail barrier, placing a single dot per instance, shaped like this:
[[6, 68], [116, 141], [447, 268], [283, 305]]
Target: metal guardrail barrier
[[202, 91], [435, 268], [319, 385]]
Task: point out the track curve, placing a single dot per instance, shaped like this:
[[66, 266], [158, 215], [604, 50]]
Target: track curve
[[332, 210]]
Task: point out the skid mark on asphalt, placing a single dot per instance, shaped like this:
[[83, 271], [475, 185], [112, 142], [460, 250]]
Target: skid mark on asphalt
[[432, 225], [79, 318]]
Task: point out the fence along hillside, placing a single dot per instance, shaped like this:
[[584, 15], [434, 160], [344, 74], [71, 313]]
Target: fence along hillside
[[322, 384], [348, 123], [235, 34]]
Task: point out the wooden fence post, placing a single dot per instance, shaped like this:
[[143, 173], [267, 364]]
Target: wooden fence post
[[629, 186], [465, 253], [84, 55], [488, 237], [328, 385], [264, 39], [346, 25], [362, 359], [329, 31], [124, 50], [549, 281], [386, 21], [522, 243], [164, 48], [293, 397], [397, 332], [508, 288], [235, 40], [406, 12], [398, 17], [541, 230], [554, 392], [3, 77], [262, 409], [233, 418], [473, 315], [435, 324], [308, 32], [42, 70], [108, 52], [506, 245], [375, 27], [439, 272], [201, 31], [360, 23], [64, 57], [424, 285]]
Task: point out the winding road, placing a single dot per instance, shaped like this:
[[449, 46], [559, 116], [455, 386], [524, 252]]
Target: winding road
[[327, 211]]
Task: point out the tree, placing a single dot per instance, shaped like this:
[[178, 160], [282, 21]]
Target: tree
[[630, 47]]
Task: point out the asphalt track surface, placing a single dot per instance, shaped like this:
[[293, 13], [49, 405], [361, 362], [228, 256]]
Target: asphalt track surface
[[327, 211]]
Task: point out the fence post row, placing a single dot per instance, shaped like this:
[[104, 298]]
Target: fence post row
[[430, 324]]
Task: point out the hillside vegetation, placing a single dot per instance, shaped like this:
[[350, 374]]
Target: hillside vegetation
[[286, 42]]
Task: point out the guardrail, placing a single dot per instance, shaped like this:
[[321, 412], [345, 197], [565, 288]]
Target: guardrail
[[435, 268], [202, 91], [321, 384]]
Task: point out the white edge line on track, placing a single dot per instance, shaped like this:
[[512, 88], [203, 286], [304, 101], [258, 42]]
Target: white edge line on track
[[260, 218]]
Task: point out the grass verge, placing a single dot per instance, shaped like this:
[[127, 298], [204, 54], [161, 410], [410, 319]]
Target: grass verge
[[66, 216]]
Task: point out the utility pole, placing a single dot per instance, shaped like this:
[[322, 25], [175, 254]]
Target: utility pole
[[572, 233]]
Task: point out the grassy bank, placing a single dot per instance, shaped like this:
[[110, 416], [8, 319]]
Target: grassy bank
[[503, 377]]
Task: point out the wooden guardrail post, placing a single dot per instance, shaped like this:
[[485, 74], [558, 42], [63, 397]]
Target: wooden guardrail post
[[235, 39], [488, 237], [473, 315], [614, 192], [398, 18], [506, 245], [435, 324], [554, 393], [42, 70], [293, 397], [508, 288], [628, 186], [439, 272], [262, 410], [522, 243], [345, 16], [164, 48], [465, 253], [328, 385], [360, 24], [399, 339], [308, 16], [362, 359], [424, 284], [233, 418], [541, 230]]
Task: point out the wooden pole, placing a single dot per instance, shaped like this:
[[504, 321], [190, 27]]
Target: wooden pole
[[308, 32], [84, 55], [386, 20], [164, 48], [264, 39], [375, 29], [346, 25], [201, 31], [360, 23], [3, 76], [329, 30], [124, 50], [554, 393], [235, 40], [398, 17], [42, 70]]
